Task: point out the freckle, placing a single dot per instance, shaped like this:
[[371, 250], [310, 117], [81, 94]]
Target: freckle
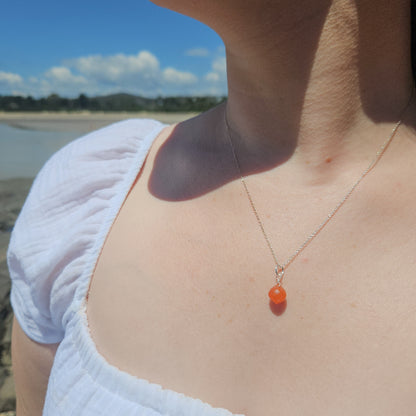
[[353, 305], [307, 162], [354, 246], [251, 279], [248, 305], [213, 297], [230, 320], [219, 315], [328, 160], [206, 292], [301, 317]]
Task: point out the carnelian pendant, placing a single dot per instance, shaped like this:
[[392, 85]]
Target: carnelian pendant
[[277, 294]]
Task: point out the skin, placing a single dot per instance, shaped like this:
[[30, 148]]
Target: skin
[[32, 364], [314, 89], [305, 78]]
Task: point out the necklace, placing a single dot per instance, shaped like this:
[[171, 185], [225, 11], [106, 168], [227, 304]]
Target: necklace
[[277, 293]]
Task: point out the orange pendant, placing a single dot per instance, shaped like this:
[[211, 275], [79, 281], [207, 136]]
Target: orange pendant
[[277, 294]]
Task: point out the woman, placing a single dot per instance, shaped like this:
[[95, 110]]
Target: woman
[[178, 297]]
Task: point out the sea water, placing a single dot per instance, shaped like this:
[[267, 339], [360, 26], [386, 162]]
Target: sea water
[[24, 152]]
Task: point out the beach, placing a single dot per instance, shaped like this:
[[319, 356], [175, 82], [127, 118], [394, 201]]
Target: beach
[[13, 192]]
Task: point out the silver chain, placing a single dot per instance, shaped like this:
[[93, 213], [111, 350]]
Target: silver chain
[[280, 268]]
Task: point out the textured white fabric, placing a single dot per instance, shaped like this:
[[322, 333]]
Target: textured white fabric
[[52, 253]]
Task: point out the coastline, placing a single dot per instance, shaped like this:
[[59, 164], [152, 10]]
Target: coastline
[[81, 122]]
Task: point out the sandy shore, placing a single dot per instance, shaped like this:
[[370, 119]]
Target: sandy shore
[[82, 122]]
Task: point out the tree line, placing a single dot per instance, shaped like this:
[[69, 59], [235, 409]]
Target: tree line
[[115, 102]]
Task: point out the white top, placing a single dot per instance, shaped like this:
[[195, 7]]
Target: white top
[[53, 250]]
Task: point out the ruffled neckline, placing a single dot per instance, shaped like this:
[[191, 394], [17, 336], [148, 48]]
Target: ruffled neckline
[[130, 387]]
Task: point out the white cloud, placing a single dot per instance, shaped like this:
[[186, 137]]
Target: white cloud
[[60, 80], [140, 74], [219, 65], [10, 79], [172, 76], [116, 67], [197, 52], [61, 74], [216, 79], [212, 77]]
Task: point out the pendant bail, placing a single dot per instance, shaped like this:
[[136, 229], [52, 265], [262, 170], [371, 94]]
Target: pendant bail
[[279, 271]]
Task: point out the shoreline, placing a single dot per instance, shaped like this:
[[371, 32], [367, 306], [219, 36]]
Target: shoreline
[[82, 122]]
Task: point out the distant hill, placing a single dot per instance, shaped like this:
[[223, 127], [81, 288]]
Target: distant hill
[[113, 102], [123, 101]]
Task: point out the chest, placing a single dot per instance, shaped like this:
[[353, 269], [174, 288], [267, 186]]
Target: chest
[[179, 297]]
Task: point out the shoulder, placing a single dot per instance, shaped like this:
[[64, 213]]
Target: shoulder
[[120, 138], [89, 164], [62, 216]]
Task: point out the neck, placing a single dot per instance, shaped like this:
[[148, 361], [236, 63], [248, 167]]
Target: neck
[[318, 83]]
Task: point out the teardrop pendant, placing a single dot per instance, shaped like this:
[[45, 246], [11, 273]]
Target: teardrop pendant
[[277, 294]]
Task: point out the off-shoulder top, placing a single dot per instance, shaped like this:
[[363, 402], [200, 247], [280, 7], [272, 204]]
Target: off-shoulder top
[[53, 250]]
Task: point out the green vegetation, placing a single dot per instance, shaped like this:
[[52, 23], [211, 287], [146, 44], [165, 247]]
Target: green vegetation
[[114, 103]]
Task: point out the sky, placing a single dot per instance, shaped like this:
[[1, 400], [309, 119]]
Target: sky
[[99, 47]]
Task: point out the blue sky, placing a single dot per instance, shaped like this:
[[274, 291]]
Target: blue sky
[[99, 47]]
